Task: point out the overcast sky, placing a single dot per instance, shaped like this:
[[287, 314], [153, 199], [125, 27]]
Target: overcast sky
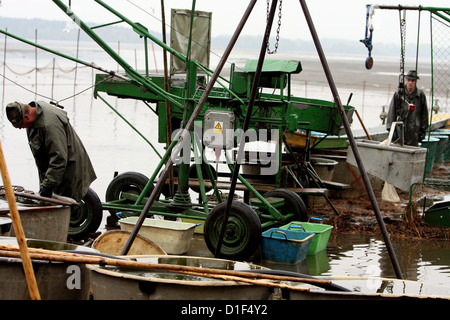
[[343, 19]]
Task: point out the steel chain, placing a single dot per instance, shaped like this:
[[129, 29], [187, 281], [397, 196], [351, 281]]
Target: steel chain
[[278, 28]]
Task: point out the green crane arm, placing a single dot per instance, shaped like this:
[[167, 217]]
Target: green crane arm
[[130, 72]]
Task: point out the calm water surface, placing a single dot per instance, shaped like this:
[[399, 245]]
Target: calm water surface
[[359, 255]]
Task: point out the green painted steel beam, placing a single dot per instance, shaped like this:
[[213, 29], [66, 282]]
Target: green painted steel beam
[[130, 72], [142, 31], [282, 66]]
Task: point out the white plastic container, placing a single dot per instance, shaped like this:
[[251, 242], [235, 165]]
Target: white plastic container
[[174, 237]]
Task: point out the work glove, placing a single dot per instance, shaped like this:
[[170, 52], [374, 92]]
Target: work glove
[[45, 192]]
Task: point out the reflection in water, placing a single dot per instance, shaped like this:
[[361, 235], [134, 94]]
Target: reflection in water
[[363, 256], [359, 255]]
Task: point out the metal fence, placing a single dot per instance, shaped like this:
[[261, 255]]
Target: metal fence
[[440, 33]]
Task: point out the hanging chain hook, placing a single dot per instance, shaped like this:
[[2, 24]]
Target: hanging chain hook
[[402, 51], [367, 41], [401, 80], [278, 28]]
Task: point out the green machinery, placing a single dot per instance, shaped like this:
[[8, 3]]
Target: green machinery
[[209, 117], [225, 108], [281, 113]]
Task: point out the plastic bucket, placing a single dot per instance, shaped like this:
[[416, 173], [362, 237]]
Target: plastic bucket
[[430, 144], [441, 146], [324, 167], [321, 232], [446, 153], [288, 246]]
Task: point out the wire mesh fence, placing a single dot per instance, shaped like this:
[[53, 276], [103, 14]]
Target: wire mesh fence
[[437, 170], [441, 72]]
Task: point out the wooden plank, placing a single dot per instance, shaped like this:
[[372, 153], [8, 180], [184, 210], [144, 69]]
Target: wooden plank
[[335, 185]]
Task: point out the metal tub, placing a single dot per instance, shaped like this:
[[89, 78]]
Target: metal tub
[[46, 223], [114, 283], [172, 236], [55, 280], [400, 166]]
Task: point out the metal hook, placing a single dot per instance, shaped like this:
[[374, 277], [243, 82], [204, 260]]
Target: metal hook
[[368, 35]]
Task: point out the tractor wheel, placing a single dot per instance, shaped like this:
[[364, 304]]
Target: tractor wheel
[[293, 203], [85, 218], [243, 231], [127, 182]]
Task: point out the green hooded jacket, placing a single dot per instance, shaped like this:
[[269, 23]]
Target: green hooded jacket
[[415, 119], [61, 159]]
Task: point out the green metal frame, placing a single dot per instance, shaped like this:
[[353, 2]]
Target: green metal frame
[[287, 112]]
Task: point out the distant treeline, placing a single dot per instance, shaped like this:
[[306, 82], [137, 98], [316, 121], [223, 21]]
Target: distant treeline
[[61, 30]]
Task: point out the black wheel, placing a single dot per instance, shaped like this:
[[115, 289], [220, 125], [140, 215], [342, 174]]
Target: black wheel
[[85, 218], [166, 188], [242, 235], [293, 203], [127, 182], [193, 174]]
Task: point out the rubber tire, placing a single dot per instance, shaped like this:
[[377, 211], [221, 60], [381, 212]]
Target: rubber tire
[[292, 203], [130, 181], [193, 175], [243, 236], [87, 217], [166, 188]]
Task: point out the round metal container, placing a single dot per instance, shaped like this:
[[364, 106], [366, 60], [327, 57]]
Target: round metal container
[[114, 283]]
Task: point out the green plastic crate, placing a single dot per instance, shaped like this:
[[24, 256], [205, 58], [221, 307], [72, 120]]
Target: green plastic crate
[[321, 232]]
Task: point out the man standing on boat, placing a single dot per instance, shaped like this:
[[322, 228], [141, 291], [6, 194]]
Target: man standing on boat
[[409, 105], [63, 164]]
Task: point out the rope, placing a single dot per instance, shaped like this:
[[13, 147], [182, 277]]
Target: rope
[[26, 89], [44, 96], [49, 66]]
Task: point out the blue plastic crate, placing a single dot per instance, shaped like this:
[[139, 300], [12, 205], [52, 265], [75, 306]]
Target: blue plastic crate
[[285, 245]]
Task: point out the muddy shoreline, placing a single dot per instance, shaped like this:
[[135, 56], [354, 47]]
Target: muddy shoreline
[[401, 219]]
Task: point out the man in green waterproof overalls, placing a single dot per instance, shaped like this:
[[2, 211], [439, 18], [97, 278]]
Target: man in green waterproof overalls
[[62, 161], [411, 109]]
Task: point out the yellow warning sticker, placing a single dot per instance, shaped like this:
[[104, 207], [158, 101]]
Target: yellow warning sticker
[[218, 127]]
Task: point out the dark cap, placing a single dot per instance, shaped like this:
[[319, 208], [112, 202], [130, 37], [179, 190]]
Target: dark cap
[[412, 74], [15, 112]]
